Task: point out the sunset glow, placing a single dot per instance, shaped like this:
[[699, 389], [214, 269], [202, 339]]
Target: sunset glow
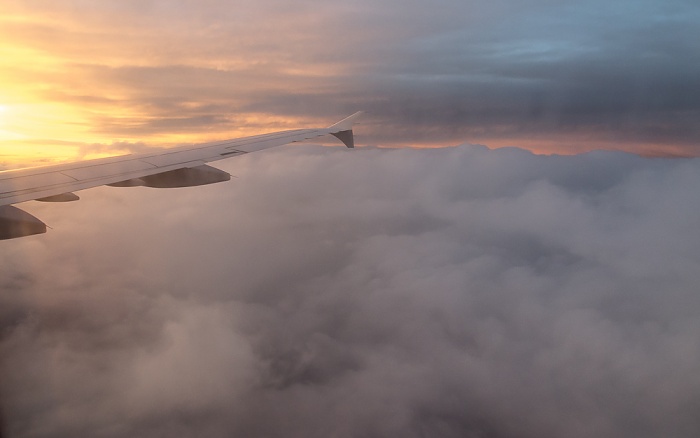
[[167, 73]]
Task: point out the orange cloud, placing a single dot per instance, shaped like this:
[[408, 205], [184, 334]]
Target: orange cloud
[[110, 72]]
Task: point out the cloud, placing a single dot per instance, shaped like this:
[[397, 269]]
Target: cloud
[[326, 292], [554, 76]]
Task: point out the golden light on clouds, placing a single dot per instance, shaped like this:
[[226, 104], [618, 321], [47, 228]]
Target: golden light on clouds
[[77, 73], [110, 74], [5, 133]]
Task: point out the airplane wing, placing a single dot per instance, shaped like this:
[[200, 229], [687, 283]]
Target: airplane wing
[[178, 167]]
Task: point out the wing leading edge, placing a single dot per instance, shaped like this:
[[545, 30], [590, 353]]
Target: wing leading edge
[[178, 167]]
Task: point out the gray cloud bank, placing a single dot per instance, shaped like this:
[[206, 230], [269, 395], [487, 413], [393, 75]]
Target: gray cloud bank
[[459, 292]]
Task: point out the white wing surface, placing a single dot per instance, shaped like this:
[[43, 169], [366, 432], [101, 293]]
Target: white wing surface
[[179, 167]]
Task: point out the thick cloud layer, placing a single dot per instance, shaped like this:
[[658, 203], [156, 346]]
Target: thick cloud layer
[[326, 292]]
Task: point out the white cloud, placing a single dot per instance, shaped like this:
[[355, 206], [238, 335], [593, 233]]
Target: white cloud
[[326, 292]]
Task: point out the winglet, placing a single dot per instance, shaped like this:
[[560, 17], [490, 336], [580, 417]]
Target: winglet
[[343, 129]]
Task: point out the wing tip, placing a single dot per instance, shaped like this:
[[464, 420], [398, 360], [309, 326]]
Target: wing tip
[[343, 129], [346, 123], [346, 137]]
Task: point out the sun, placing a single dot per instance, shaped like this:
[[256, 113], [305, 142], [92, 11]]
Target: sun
[[3, 115], [4, 133]]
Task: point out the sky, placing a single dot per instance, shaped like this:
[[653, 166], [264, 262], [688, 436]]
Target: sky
[[84, 78], [512, 250]]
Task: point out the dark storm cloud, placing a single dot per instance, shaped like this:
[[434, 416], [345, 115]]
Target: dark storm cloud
[[326, 292]]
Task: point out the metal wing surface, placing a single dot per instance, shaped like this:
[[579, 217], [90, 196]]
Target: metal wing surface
[[178, 167]]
